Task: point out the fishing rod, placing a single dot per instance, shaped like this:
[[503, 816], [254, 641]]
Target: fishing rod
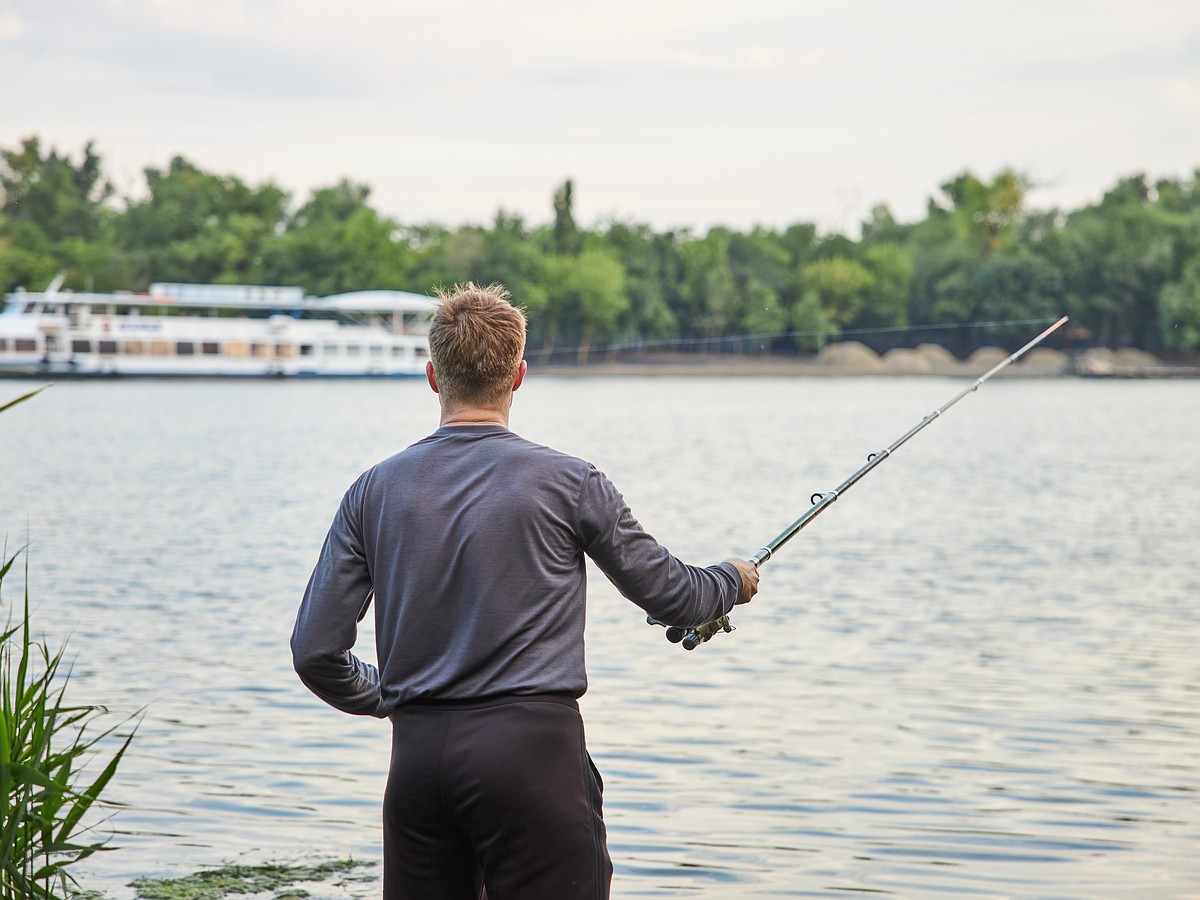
[[691, 638]]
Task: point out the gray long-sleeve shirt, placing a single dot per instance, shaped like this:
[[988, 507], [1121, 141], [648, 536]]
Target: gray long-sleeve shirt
[[473, 542]]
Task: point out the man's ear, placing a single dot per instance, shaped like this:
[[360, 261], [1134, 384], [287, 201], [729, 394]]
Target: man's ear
[[431, 377], [521, 370]]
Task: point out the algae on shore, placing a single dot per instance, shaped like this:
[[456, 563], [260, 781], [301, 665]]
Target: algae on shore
[[216, 884]]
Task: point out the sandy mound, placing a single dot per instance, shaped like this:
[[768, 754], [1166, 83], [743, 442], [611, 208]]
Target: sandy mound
[[851, 358], [1096, 361], [1128, 357], [1044, 359], [936, 355], [984, 359], [901, 361]]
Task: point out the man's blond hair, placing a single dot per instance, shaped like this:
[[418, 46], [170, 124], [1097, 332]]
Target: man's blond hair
[[476, 341]]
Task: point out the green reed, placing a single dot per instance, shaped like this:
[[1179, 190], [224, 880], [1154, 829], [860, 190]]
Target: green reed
[[46, 748]]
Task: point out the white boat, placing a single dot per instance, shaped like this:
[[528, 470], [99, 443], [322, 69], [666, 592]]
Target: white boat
[[208, 330]]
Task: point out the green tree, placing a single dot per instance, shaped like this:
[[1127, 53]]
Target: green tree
[[198, 227], [54, 218], [882, 228], [506, 253], [1179, 310], [707, 290], [763, 277], [841, 286], [811, 322], [887, 297], [587, 295], [766, 316], [510, 256], [566, 237], [1115, 258], [1014, 287], [975, 220], [61, 199], [987, 217], [651, 264], [336, 242]]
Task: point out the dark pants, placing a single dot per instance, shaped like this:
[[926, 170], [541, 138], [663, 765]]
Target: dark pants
[[499, 794]]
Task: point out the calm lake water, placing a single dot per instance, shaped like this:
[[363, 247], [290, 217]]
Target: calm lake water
[[976, 675]]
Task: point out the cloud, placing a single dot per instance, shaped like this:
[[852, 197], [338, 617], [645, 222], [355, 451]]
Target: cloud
[[11, 25], [224, 18], [674, 112], [1184, 95], [756, 59]]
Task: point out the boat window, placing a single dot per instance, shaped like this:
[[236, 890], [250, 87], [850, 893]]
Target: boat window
[[285, 350], [81, 345], [330, 349], [210, 348], [25, 345], [3, 345], [108, 346], [353, 350], [29, 307], [160, 348], [376, 350], [421, 351], [135, 348], [306, 349], [236, 348], [260, 349], [185, 348], [397, 351]]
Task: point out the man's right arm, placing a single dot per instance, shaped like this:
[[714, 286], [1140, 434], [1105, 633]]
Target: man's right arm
[[645, 572]]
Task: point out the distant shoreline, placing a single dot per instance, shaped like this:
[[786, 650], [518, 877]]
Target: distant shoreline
[[836, 361], [732, 365]]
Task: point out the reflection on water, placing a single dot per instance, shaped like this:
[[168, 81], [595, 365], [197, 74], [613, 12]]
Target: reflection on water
[[975, 675]]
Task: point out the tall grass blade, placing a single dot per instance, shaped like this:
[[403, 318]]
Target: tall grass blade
[[44, 749], [23, 398]]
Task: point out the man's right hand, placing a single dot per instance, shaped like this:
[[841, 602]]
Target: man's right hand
[[749, 573]]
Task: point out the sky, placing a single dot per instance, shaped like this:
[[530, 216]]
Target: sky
[[692, 114]]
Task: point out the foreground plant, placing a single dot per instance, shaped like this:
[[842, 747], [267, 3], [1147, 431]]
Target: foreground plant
[[44, 749]]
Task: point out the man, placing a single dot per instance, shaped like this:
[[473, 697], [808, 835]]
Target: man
[[473, 543]]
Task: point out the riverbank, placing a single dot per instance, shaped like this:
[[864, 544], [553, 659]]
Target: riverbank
[[855, 359]]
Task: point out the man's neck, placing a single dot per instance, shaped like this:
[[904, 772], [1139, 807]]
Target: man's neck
[[474, 415]]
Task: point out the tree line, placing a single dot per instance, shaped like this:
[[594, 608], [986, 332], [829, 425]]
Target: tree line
[[1126, 269]]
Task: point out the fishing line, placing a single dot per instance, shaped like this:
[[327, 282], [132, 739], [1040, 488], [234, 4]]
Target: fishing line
[[691, 638]]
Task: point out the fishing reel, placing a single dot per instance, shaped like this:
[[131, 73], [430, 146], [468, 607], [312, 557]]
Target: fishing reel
[[691, 638]]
